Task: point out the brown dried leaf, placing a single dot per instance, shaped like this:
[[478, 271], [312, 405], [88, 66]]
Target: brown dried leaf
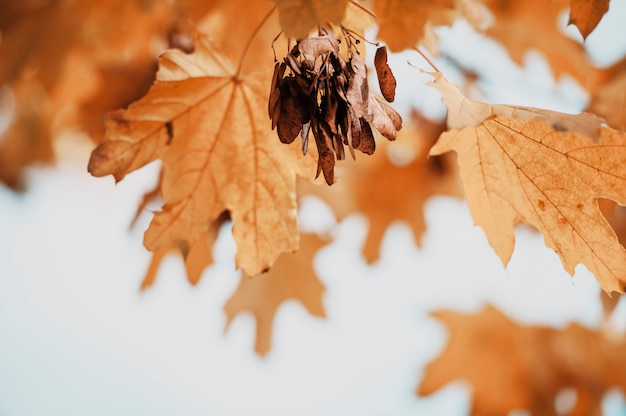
[[386, 120], [358, 89], [522, 165], [293, 113], [363, 137], [326, 156], [315, 46], [386, 80], [277, 78], [292, 277], [511, 366]]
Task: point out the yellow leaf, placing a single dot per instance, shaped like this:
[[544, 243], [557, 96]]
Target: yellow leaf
[[586, 14], [608, 99], [525, 165], [200, 257], [292, 277], [299, 17], [386, 192], [206, 120], [402, 22], [533, 24], [511, 366]]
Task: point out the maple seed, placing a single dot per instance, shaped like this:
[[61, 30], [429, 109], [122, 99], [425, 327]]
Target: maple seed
[[386, 79], [329, 97]]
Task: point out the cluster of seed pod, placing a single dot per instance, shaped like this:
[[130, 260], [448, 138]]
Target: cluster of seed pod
[[329, 97]]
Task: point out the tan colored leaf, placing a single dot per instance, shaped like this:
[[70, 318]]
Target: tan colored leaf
[[616, 216], [28, 139], [520, 27], [292, 277], [544, 168], [386, 192], [586, 14], [608, 304], [510, 366], [402, 22], [299, 17], [86, 58], [207, 122], [386, 120], [200, 257], [609, 98]]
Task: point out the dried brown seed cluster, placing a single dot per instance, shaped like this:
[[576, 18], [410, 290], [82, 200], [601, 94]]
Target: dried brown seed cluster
[[329, 97]]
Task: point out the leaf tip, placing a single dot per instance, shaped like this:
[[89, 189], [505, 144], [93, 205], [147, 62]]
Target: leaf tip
[[183, 246]]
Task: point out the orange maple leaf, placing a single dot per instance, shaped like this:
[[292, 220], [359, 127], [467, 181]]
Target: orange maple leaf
[[205, 119], [525, 165], [510, 366], [199, 258], [78, 60], [299, 17], [402, 22], [586, 14], [524, 25], [292, 277], [28, 138], [608, 99]]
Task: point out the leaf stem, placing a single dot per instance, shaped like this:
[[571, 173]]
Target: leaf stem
[[251, 39], [430, 62], [354, 34], [273, 42]]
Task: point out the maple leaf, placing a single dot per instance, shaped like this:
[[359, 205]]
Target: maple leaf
[[85, 58], [205, 120], [532, 24], [292, 277], [511, 366], [586, 14], [386, 192], [609, 96], [402, 22], [199, 258], [525, 165], [28, 138], [299, 17], [520, 28]]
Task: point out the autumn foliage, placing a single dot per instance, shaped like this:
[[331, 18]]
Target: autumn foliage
[[230, 103]]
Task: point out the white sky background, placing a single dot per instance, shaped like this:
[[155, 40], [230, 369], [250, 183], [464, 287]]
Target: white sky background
[[76, 337]]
